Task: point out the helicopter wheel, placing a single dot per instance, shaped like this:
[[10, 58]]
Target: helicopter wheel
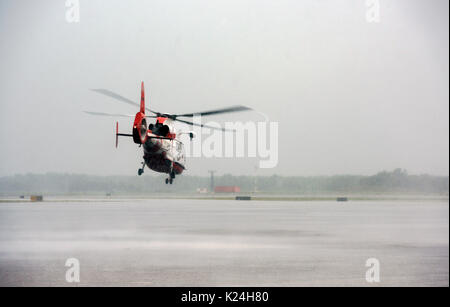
[[140, 171], [167, 180]]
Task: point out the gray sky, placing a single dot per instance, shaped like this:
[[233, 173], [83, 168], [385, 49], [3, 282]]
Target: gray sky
[[351, 97]]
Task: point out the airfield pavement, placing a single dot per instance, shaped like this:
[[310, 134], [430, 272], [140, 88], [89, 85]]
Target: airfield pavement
[[192, 242]]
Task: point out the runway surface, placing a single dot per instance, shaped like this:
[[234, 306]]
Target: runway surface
[[225, 243]]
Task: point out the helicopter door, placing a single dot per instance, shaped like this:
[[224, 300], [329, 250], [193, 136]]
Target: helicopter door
[[179, 154]]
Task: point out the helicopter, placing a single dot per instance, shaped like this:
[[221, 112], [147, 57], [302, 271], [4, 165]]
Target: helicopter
[[163, 149]]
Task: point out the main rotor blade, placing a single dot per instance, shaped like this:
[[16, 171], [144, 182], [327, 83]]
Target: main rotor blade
[[203, 126], [119, 97], [216, 111], [114, 114]]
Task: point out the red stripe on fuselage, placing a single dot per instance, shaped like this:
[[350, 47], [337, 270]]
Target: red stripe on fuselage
[[161, 120]]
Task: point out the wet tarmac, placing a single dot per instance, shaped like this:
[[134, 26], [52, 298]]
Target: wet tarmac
[[192, 242]]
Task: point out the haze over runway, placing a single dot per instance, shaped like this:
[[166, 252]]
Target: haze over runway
[[350, 96]]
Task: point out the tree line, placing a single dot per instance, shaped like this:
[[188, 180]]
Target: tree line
[[396, 181]]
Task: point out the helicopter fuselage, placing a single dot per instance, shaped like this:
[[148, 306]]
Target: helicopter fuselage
[[164, 155]]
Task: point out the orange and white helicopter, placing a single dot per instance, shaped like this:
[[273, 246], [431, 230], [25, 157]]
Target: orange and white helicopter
[[163, 150]]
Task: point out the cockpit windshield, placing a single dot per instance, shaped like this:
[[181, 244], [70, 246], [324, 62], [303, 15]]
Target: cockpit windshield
[[159, 129]]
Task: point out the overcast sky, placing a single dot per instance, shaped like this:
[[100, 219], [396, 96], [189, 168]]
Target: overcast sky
[[350, 96]]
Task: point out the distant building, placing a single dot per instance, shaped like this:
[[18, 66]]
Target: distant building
[[36, 198], [202, 190], [227, 189]]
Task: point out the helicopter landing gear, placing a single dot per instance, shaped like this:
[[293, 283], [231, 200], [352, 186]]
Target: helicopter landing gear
[[141, 170], [171, 178]]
